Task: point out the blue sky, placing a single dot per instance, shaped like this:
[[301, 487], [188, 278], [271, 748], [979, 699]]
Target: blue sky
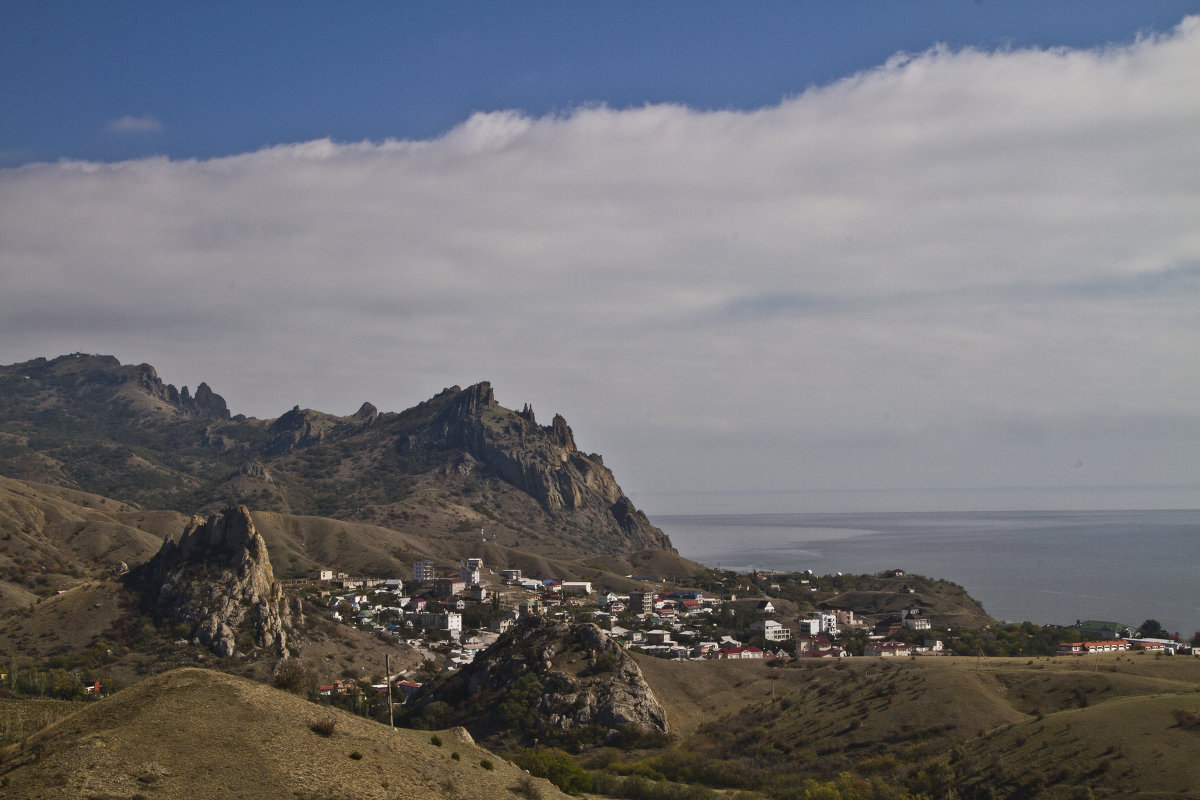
[[226, 77], [763, 257]]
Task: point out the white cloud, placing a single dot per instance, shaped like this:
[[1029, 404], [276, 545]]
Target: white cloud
[[127, 124], [959, 269]]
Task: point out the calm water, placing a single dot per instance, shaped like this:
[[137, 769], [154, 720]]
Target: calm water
[[1045, 567]]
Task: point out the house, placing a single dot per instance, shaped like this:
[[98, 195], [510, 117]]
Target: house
[[510, 575], [577, 587], [808, 627], [745, 651], [844, 617], [828, 652], [658, 637], [888, 649], [448, 587], [771, 630], [499, 625], [469, 571], [704, 649], [914, 619], [641, 602], [1083, 648], [810, 642], [826, 622], [324, 574], [765, 607], [616, 607], [446, 621], [407, 688], [423, 572]]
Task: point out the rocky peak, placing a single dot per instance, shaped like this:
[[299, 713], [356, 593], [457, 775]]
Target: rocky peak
[[560, 433], [299, 428], [474, 400], [542, 461], [217, 578], [578, 682]]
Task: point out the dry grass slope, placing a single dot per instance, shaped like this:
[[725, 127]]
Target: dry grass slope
[[1118, 725], [198, 734]]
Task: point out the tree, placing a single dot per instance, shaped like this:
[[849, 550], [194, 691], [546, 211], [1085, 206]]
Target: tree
[[1151, 629]]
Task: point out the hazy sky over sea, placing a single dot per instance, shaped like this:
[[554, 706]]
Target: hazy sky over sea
[[947, 254]]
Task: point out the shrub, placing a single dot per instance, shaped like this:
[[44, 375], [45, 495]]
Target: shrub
[[488, 765], [324, 727], [455, 756], [357, 756], [557, 767], [435, 740], [527, 787]]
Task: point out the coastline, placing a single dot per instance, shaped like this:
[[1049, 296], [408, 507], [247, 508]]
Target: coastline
[[1046, 567]]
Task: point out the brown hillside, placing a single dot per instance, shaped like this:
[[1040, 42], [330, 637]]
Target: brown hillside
[[52, 538], [198, 734]]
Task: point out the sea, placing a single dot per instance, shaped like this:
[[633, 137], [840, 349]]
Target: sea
[[1046, 567]]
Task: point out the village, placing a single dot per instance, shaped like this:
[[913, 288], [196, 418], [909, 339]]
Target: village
[[451, 619]]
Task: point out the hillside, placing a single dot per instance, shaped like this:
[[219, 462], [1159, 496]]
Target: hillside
[[199, 734], [52, 538], [1117, 725], [457, 468]]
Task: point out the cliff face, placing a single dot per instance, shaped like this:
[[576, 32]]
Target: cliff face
[[550, 680], [541, 461], [217, 579]]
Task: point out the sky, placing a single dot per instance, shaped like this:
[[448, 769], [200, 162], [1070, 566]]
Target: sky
[[772, 257]]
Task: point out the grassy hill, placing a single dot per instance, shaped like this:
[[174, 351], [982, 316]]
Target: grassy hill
[[1116, 725], [200, 734]]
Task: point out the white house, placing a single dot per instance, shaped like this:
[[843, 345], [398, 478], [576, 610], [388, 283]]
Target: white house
[[826, 622], [771, 630]]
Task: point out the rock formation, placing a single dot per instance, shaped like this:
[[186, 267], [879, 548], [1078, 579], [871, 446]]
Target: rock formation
[[578, 682], [217, 579], [542, 461]]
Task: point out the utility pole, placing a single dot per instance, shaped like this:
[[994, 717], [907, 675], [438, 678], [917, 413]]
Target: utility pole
[[387, 671]]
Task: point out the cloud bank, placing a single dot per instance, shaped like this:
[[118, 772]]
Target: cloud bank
[[961, 269]]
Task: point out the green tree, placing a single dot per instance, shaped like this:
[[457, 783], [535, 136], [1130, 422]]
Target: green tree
[[1152, 629]]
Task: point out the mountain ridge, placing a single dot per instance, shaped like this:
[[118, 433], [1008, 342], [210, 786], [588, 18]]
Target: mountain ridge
[[458, 467]]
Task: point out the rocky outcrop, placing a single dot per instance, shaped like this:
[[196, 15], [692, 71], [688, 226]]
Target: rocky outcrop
[[206, 404], [217, 579], [541, 461], [550, 680]]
